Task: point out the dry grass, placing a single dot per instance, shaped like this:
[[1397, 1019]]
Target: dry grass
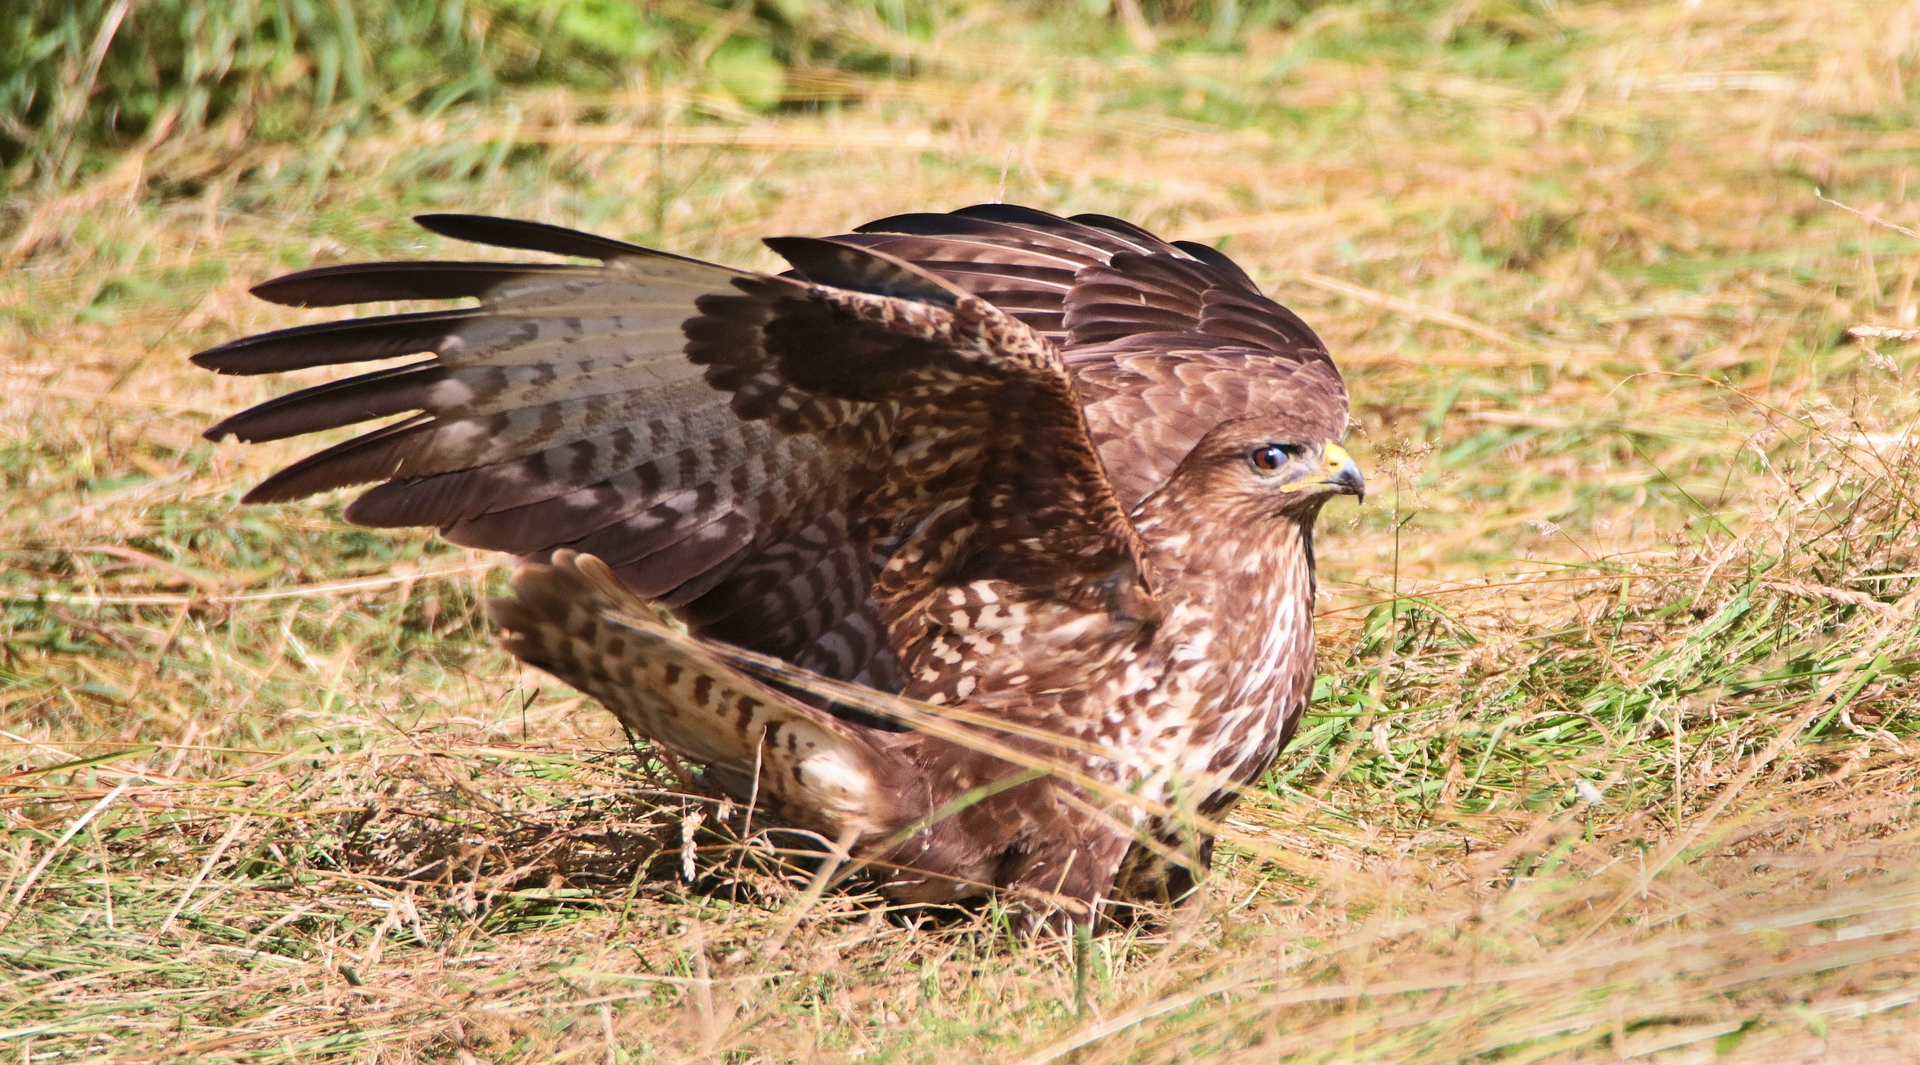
[[1614, 754]]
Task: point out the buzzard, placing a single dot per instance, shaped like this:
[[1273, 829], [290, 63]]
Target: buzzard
[[990, 532]]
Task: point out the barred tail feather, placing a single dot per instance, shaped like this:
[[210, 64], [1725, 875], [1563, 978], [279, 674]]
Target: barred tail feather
[[573, 618]]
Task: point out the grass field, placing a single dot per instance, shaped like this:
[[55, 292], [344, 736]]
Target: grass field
[[1614, 751]]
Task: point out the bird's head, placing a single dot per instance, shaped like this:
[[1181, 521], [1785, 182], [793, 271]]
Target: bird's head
[[1261, 468]]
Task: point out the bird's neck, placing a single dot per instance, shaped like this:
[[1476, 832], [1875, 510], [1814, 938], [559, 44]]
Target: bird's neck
[[1193, 552], [1248, 583]]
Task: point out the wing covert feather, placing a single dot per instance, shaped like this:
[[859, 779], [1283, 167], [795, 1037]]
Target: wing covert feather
[[1110, 294]]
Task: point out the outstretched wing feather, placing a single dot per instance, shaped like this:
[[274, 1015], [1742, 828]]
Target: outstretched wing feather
[[522, 235], [685, 421], [338, 286], [336, 343]]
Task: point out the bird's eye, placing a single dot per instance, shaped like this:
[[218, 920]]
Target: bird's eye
[[1269, 457]]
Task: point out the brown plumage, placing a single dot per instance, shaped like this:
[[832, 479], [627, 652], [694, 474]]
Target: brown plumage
[[1054, 475]]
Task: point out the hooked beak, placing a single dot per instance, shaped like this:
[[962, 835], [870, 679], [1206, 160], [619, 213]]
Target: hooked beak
[[1341, 475]]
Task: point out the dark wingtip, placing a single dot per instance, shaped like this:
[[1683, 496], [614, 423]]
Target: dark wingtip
[[425, 279], [274, 292], [1219, 260], [1011, 213], [522, 235], [321, 286], [374, 456], [210, 359], [334, 343]]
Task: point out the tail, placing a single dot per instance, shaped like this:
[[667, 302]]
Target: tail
[[572, 618]]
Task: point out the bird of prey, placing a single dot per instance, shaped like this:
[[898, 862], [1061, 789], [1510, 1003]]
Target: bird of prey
[[989, 533]]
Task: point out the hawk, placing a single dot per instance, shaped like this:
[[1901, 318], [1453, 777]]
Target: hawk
[[991, 532]]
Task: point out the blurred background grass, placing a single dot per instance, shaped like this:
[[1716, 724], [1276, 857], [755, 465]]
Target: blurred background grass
[[91, 78], [1612, 756]]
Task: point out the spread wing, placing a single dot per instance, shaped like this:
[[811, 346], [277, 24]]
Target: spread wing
[[748, 449], [1164, 340]]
